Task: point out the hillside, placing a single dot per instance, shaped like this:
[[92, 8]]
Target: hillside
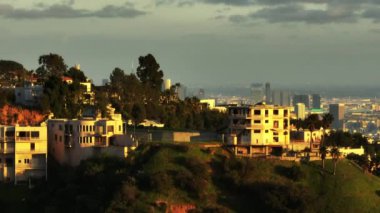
[[178, 177]]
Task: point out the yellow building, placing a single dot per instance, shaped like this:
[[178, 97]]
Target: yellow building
[[23, 152], [71, 141], [259, 129]]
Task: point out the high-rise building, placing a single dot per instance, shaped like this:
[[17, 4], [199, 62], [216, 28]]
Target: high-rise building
[[337, 111], [300, 111], [167, 84], [257, 93], [301, 99], [316, 101], [281, 97], [268, 94]]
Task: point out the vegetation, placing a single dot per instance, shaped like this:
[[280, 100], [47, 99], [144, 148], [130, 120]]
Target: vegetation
[[136, 96], [159, 176]]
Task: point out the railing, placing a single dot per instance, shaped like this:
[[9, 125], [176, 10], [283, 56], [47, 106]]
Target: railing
[[100, 144]]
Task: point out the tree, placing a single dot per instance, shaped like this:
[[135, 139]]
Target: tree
[[149, 71], [12, 73], [335, 155], [138, 113], [76, 74], [323, 151], [51, 64]]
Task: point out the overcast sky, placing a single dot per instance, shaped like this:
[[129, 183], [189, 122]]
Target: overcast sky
[[203, 42]]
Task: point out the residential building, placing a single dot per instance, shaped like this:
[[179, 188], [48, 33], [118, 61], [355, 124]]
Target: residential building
[[88, 96], [29, 95], [259, 129], [23, 153], [211, 104], [166, 85], [74, 140], [337, 111]]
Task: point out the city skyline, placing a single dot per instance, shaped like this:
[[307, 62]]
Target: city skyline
[[227, 42]]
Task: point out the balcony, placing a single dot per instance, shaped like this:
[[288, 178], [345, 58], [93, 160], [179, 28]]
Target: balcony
[[7, 139]]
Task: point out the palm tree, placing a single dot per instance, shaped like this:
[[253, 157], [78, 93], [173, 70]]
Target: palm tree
[[327, 120], [335, 155], [323, 151]]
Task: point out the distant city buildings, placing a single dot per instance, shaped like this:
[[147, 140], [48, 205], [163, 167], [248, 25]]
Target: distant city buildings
[[316, 101], [281, 97], [337, 111], [166, 85], [301, 99], [257, 93], [300, 111], [23, 153], [268, 93]]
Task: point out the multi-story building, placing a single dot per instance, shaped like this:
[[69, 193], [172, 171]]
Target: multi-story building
[[316, 101], [300, 111], [259, 129], [23, 152], [268, 98], [337, 111], [71, 141], [281, 97], [29, 94]]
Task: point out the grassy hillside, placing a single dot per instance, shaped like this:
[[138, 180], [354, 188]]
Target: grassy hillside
[[160, 176]]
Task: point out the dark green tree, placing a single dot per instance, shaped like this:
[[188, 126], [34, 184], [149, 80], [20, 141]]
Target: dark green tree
[[149, 71], [51, 64]]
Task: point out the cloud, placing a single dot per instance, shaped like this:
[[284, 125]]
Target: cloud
[[62, 11], [298, 13], [372, 13]]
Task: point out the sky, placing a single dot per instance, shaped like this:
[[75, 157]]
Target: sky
[[203, 43]]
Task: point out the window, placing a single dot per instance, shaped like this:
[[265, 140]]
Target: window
[[119, 128], [275, 112], [266, 131], [285, 112], [35, 134], [60, 138], [275, 139], [109, 129], [26, 161], [257, 112], [86, 128], [56, 137], [32, 146], [8, 162], [256, 131], [266, 113], [19, 161], [266, 121], [60, 127], [10, 134], [275, 124], [256, 121], [80, 139]]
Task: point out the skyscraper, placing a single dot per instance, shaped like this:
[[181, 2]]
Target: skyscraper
[[268, 94], [301, 99], [281, 97], [257, 92], [337, 111], [316, 101]]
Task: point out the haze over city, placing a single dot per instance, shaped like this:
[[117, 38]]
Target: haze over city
[[203, 42]]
